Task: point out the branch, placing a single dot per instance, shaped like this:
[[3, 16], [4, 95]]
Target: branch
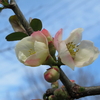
[[66, 82], [20, 16], [89, 91], [78, 91]]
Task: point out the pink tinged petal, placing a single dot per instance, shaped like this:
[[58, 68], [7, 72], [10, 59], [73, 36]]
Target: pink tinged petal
[[47, 34], [75, 36], [39, 36], [86, 55], [65, 56], [41, 50], [36, 59], [40, 56], [32, 61], [58, 39]]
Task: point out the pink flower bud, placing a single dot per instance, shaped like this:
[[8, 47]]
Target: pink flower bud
[[47, 34], [52, 75]]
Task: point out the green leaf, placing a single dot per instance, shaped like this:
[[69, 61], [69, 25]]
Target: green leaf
[[36, 24], [15, 36], [17, 26]]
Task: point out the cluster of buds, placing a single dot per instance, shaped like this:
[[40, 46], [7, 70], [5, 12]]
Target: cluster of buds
[[56, 92]]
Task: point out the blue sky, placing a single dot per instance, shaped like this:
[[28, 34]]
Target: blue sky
[[15, 78]]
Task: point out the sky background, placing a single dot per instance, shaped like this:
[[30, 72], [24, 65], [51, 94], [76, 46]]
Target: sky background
[[20, 82]]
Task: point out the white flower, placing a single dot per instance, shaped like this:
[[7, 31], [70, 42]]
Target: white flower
[[74, 52], [33, 50]]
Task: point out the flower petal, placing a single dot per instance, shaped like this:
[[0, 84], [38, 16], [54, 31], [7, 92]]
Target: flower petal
[[39, 36], [23, 47], [65, 56], [75, 36], [40, 56], [47, 34], [58, 39], [87, 54]]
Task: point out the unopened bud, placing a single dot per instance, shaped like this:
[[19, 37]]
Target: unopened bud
[[52, 75], [61, 93]]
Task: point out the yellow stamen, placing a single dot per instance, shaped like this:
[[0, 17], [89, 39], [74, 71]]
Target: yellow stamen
[[31, 51], [73, 49]]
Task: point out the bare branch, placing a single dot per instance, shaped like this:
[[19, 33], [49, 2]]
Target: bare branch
[[78, 91], [89, 91], [66, 82]]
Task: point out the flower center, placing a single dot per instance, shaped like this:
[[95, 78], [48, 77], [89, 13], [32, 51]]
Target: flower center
[[31, 51], [73, 49]]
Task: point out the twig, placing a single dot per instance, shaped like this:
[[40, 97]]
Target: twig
[[89, 91], [20, 16], [77, 91], [66, 82]]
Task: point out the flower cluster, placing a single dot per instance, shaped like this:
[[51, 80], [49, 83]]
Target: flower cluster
[[36, 49], [39, 49]]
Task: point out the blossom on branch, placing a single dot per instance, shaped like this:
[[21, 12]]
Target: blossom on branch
[[74, 52], [33, 50]]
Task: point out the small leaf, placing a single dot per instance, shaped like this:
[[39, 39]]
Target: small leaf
[[36, 24], [15, 36], [17, 26]]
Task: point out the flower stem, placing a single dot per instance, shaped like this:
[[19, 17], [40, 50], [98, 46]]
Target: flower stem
[[66, 82]]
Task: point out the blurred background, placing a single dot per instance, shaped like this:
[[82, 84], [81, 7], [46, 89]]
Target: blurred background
[[20, 82]]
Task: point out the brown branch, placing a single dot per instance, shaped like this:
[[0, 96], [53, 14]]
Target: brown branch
[[75, 91], [89, 91], [66, 82], [20, 16], [78, 91]]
